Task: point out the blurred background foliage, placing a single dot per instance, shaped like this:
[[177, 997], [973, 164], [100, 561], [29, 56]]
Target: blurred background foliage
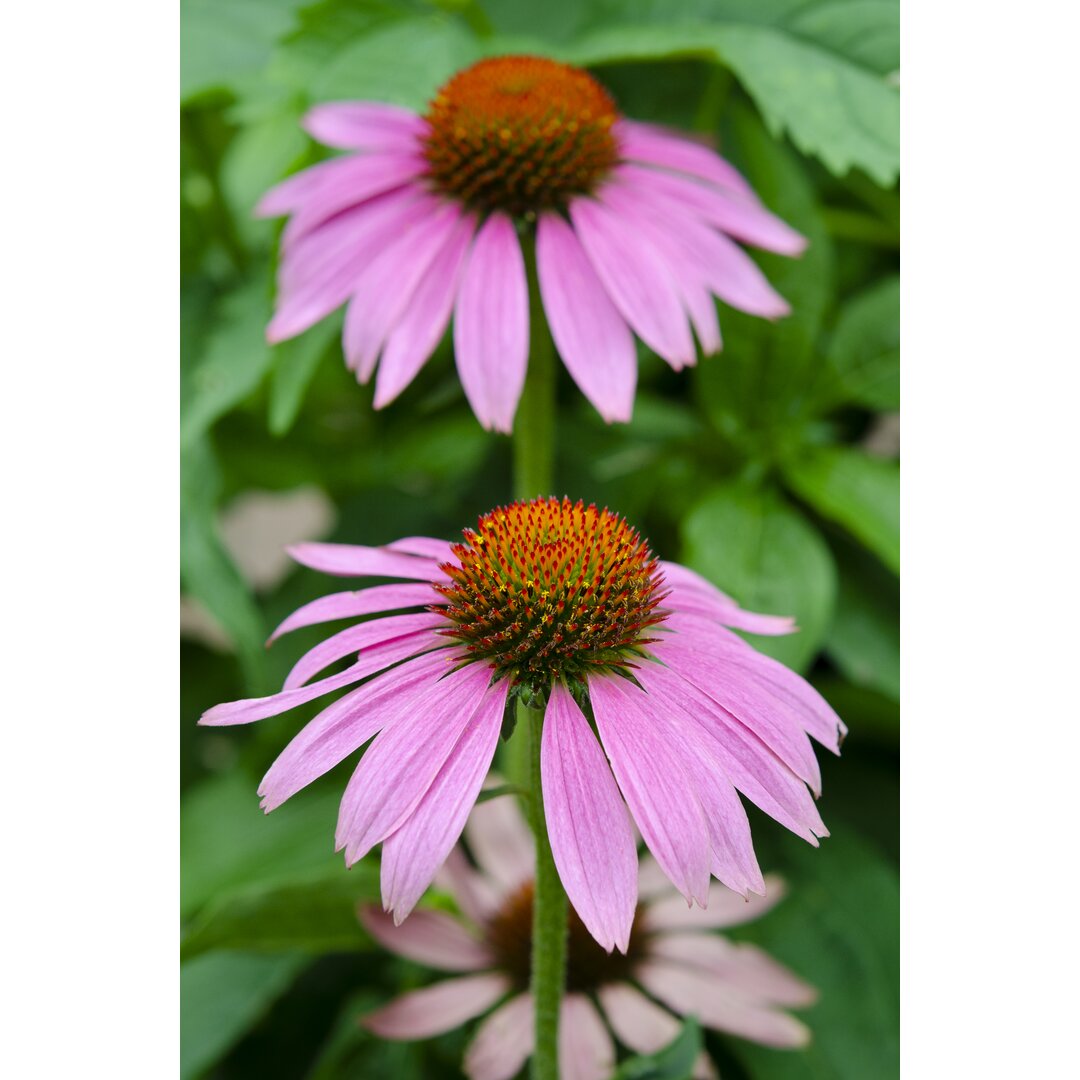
[[771, 468]]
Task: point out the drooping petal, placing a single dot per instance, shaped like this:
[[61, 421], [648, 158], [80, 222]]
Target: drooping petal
[[413, 853], [305, 186], [432, 938], [726, 908], [416, 335], [741, 218], [435, 1009], [588, 825], [491, 324], [710, 603], [633, 276], [428, 547], [356, 181], [376, 638], [342, 728], [501, 842], [387, 284], [748, 970], [657, 146], [586, 1051], [352, 560], [503, 1041], [638, 1023], [403, 761], [714, 1003], [654, 784], [348, 605], [592, 338], [476, 896], [365, 125]]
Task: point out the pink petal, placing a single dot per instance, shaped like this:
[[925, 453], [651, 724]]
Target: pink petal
[[658, 146], [355, 125], [749, 971], [586, 1051], [388, 282], [715, 605], [427, 547], [351, 560], [491, 324], [377, 638], [347, 605], [688, 991], [412, 854], [432, 938], [343, 727], [653, 782], [248, 710], [501, 842], [745, 701], [593, 340], [403, 761], [475, 895], [357, 180], [815, 714], [638, 1023], [738, 217], [503, 1041], [296, 190], [749, 764], [630, 270], [320, 272], [420, 330], [438, 1008], [726, 908], [588, 826]]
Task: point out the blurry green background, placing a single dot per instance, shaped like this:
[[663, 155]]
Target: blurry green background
[[772, 469]]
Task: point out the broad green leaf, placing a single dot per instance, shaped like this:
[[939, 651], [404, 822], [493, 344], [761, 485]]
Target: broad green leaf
[[295, 364], [223, 995], [864, 354], [233, 361], [864, 638], [753, 545], [228, 843], [839, 929], [207, 571], [829, 101], [859, 492], [674, 1062], [225, 44], [314, 916], [404, 62]]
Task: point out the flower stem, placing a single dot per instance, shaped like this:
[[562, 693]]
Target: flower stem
[[549, 921], [534, 425]]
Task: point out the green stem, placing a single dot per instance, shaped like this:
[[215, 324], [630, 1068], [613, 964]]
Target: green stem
[[534, 425], [549, 920]]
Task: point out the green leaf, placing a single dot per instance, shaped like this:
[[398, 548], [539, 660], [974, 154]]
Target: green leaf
[[859, 492], [206, 569], [404, 62], [350, 1051], [753, 545], [810, 79], [295, 364], [864, 639], [225, 44], [315, 916], [839, 929], [674, 1062], [864, 354], [227, 843], [222, 995], [233, 361]]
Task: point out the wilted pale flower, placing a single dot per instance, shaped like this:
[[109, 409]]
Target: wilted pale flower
[[673, 955], [635, 229], [563, 603]]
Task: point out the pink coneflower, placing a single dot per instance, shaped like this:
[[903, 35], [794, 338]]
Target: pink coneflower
[[674, 964], [635, 231], [563, 604]]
